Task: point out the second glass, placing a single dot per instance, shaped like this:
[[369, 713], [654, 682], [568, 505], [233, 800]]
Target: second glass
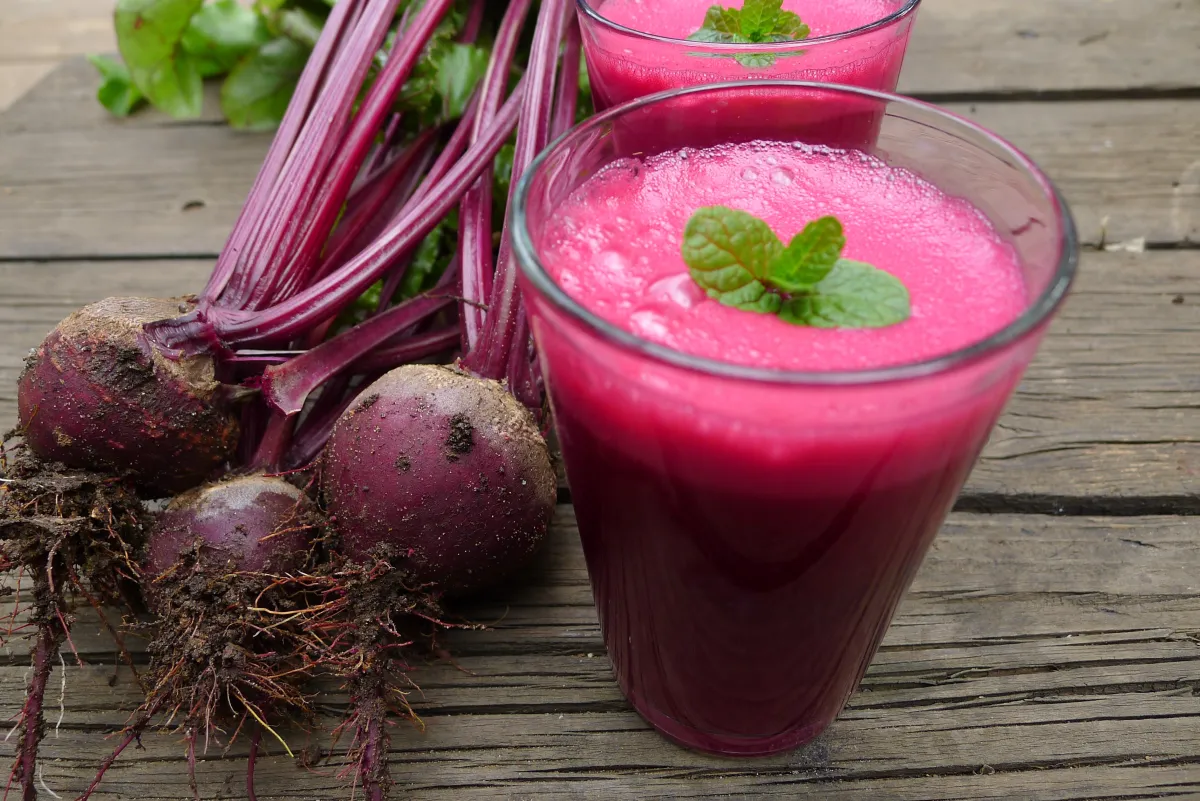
[[625, 63]]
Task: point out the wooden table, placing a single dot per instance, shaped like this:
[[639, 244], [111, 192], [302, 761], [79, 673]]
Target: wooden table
[[1050, 647]]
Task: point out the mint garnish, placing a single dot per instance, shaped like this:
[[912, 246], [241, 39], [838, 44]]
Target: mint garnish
[[756, 22], [739, 261]]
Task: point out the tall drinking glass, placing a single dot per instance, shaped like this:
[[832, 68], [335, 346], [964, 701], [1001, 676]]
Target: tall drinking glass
[[750, 531], [638, 47]]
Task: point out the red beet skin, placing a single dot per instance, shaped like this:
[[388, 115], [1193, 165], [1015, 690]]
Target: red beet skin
[[95, 396], [251, 523], [448, 469]]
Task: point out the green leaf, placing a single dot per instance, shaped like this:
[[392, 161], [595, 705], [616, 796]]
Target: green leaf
[[720, 25], [256, 93], [789, 27], [809, 257], [757, 21], [301, 25], [431, 259], [149, 35], [117, 92], [755, 61], [221, 34], [727, 253], [758, 18], [853, 295], [460, 67]]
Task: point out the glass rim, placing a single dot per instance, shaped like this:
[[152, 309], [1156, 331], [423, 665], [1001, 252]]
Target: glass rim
[[1038, 312], [909, 7]]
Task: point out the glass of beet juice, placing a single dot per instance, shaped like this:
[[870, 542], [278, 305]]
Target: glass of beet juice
[[639, 47], [757, 479]]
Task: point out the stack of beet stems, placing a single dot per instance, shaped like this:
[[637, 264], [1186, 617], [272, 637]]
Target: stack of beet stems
[[339, 205]]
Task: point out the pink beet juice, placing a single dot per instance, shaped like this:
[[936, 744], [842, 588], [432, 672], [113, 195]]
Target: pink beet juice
[[639, 47], [754, 496]]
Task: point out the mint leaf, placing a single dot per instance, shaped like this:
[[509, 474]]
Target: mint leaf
[[256, 93], [738, 260], [789, 27], [757, 21], [117, 92], [220, 34], [809, 257], [720, 25], [727, 253], [149, 36], [755, 61], [853, 295], [758, 18]]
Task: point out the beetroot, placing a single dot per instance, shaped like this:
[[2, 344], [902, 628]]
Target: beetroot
[[96, 395], [225, 521], [469, 490], [224, 647]]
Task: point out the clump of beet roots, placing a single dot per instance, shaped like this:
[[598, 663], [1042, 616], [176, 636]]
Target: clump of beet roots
[[365, 617], [225, 639], [96, 395], [75, 535], [470, 489]]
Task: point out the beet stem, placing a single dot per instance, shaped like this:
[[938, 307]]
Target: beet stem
[[475, 213], [314, 228], [303, 177], [288, 385], [567, 102], [474, 21], [395, 180], [276, 440], [418, 346], [198, 332], [289, 129], [489, 359]]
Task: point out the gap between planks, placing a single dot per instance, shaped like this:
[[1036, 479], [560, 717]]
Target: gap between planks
[[1052, 660]]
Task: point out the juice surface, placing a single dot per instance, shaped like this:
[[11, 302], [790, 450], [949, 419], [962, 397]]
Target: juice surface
[[615, 247], [678, 19], [748, 542], [623, 66]]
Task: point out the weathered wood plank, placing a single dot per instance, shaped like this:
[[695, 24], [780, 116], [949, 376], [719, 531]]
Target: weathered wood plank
[[971, 707], [1108, 408], [51, 30], [1130, 170], [18, 78], [1029, 46], [1107, 412]]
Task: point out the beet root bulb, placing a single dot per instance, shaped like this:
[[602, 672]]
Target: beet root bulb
[[226, 647], [96, 395], [253, 524], [443, 468]]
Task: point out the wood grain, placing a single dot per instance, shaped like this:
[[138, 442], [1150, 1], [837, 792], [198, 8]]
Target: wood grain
[[19, 77], [1128, 169], [1063, 46], [52, 30], [1106, 418], [962, 708]]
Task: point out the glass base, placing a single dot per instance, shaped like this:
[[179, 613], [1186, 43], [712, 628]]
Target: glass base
[[727, 744]]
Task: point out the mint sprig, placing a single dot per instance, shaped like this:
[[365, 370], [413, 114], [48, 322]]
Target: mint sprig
[[756, 22], [739, 261]]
